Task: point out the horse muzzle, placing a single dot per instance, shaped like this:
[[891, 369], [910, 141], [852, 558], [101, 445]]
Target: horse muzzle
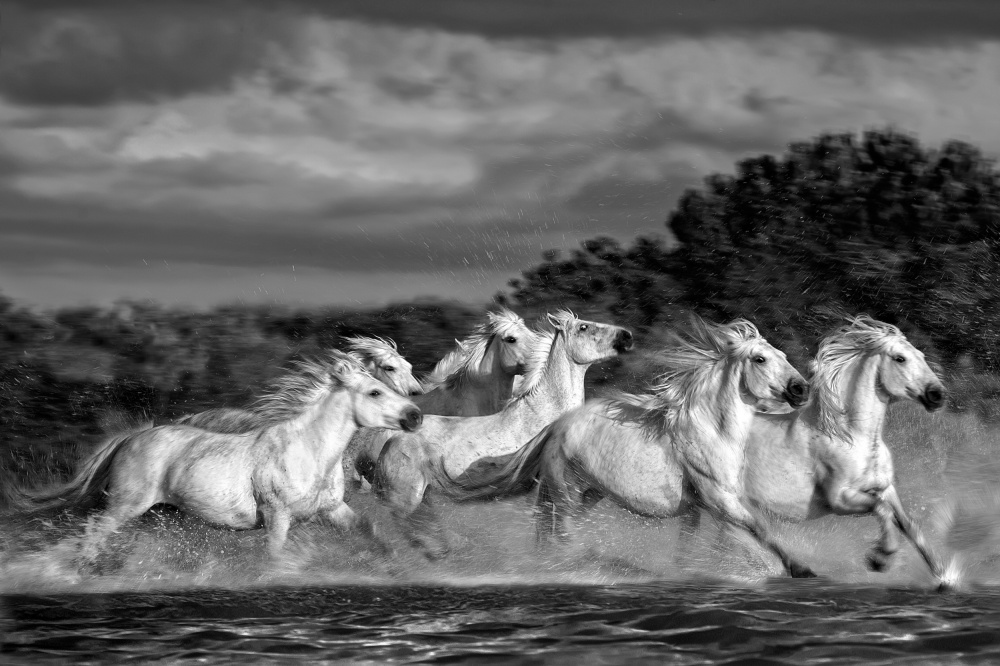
[[796, 393], [411, 420], [933, 397], [623, 341]]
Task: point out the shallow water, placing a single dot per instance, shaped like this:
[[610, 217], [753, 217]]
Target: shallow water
[[175, 590], [780, 622]]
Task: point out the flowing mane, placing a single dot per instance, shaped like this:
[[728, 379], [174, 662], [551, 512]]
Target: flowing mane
[[446, 366], [548, 330], [692, 366], [373, 348], [862, 335], [292, 393], [499, 324]]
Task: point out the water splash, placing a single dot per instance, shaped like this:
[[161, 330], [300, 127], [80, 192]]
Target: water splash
[[945, 475]]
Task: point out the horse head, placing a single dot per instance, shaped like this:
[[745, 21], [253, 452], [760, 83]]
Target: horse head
[[510, 343], [903, 371], [589, 341], [767, 379], [384, 361], [376, 405]]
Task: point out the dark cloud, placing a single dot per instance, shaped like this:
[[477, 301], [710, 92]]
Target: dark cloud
[[37, 232], [93, 54], [883, 21]]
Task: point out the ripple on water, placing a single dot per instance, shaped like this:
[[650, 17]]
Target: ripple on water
[[779, 622]]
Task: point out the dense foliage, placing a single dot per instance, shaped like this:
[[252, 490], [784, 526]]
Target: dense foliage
[[837, 225]]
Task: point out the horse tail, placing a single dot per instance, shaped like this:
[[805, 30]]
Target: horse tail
[[513, 474], [84, 489]]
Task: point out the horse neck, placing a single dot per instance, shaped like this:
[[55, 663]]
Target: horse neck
[[717, 413], [491, 388], [325, 427], [560, 388], [864, 406]]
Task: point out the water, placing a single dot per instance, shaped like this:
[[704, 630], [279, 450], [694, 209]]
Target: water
[[781, 622], [175, 590]]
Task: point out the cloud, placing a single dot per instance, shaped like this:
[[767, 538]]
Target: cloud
[[400, 148]]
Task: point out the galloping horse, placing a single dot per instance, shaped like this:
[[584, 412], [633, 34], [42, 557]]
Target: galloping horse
[[380, 357], [657, 454], [830, 457], [287, 468], [479, 384], [410, 466]]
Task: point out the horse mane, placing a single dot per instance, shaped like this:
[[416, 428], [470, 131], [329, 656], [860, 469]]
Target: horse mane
[[373, 348], [690, 365], [839, 351], [548, 330], [447, 365], [289, 395], [498, 324]]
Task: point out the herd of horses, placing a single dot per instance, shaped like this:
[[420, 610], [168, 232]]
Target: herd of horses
[[729, 426]]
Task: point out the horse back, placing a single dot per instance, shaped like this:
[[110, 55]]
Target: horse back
[[632, 464]]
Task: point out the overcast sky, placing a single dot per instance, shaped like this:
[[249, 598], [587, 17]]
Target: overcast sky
[[369, 151]]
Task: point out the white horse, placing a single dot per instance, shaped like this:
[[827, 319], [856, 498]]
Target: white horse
[[286, 469], [380, 357], [830, 458], [479, 383], [385, 363], [409, 467], [658, 454]]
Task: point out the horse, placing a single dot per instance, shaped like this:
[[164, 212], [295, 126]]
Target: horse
[[384, 361], [830, 458], [480, 383], [409, 468], [380, 357], [659, 454], [286, 469]]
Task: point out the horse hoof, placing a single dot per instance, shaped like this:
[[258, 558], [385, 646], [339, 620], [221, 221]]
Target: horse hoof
[[801, 571]]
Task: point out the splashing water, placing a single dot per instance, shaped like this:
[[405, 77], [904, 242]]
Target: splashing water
[[171, 587], [943, 473]]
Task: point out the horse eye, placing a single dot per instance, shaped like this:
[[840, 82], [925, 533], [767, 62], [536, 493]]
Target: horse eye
[[759, 359], [389, 368], [510, 339], [374, 393], [900, 359], [583, 327]]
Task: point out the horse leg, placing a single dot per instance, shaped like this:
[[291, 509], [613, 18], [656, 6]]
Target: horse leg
[[554, 502], [690, 522], [423, 528], [729, 508], [878, 557], [911, 530], [277, 521], [345, 519], [99, 529]]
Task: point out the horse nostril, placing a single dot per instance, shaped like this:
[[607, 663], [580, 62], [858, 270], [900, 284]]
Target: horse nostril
[[934, 395], [623, 341], [412, 418], [797, 390], [415, 392]]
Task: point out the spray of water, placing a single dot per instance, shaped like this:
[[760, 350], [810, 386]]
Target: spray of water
[[945, 473]]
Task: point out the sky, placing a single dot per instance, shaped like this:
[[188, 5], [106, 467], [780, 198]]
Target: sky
[[362, 152]]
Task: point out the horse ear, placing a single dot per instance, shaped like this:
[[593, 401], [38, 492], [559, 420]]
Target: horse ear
[[555, 321]]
